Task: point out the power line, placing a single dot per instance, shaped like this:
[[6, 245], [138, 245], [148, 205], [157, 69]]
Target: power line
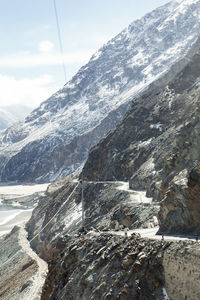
[[60, 40]]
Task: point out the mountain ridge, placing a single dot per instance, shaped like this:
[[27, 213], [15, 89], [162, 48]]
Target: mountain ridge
[[118, 72]]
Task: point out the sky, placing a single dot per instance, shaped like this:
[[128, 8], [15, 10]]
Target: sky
[[30, 61]]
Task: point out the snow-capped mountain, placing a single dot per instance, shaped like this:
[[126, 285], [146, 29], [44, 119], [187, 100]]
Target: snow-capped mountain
[[55, 138]]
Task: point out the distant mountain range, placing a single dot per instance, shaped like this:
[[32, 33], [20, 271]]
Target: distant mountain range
[[12, 114], [54, 139]]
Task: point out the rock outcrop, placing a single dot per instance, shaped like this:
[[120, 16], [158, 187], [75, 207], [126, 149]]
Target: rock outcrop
[[60, 211], [105, 267], [136, 149], [180, 208], [181, 262], [156, 147]]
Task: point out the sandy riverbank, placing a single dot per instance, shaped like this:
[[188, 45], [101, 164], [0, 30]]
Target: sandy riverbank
[[22, 190], [19, 219]]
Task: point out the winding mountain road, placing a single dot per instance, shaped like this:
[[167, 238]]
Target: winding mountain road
[[140, 197], [151, 234]]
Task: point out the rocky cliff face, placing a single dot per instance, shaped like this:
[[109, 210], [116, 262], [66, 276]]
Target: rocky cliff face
[[105, 265], [97, 265], [55, 138], [119, 267], [53, 230], [138, 145], [180, 208], [109, 267], [60, 211], [156, 147]]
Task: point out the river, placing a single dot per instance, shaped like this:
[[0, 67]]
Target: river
[[15, 214]]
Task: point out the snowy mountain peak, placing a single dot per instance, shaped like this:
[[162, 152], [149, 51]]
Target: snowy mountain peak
[[186, 2], [61, 131]]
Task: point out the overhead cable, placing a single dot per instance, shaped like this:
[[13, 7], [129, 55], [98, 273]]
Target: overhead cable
[[60, 40]]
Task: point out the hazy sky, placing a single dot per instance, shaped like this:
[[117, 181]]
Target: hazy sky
[[30, 69]]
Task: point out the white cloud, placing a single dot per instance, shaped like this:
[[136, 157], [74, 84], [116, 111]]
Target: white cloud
[[27, 91], [45, 46], [27, 60], [46, 26], [32, 91]]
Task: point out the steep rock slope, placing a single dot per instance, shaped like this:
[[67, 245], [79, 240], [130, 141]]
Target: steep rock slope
[[60, 212], [156, 147], [115, 268], [180, 186], [55, 138], [132, 266], [146, 135], [105, 265], [120, 268]]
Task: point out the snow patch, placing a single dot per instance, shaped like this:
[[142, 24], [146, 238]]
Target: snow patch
[[74, 215], [166, 297], [145, 143], [157, 126], [181, 178], [22, 190], [96, 55], [13, 214]]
